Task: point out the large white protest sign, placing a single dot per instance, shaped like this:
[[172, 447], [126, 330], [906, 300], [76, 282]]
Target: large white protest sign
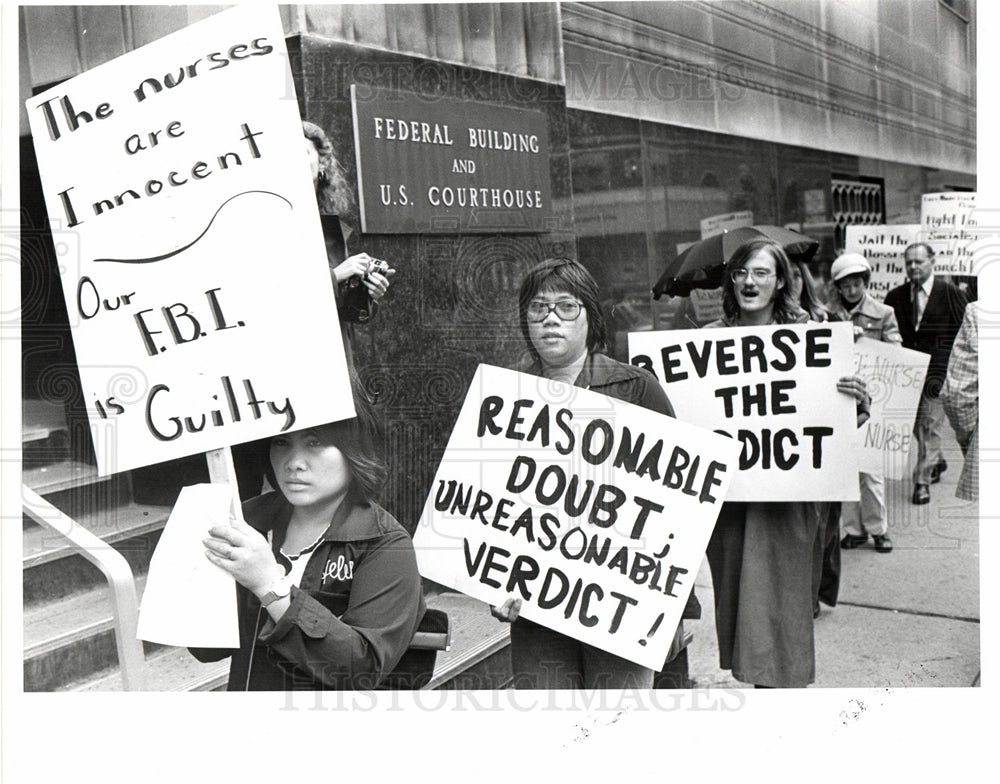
[[773, 389], [201, 304], [894, 376], [884, 247], [188, 600], [594, 512], [948, 224]]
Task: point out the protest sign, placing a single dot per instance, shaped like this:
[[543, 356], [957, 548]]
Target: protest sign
[[948, 224], [188, 600], [200, 303], [884, 247], [894, 376], [773, 389], [716, 224], [594, 512]]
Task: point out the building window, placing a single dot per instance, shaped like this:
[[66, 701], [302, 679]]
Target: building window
[[856, 202]]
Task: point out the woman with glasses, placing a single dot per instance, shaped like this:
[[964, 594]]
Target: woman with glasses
[[564, 331], [761, 553]]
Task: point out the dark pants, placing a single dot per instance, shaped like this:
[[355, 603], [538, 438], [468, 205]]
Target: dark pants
[[826, 559], [545, 659]]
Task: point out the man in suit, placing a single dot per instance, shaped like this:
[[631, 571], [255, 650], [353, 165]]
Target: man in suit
[[929, 312]]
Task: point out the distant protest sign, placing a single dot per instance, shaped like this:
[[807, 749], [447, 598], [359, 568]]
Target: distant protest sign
[[894, 376], [716, 224], [948, 224], [884, 247], [594, 512], [201, 304], [773, 389]]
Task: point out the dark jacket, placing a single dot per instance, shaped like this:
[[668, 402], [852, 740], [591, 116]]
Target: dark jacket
[[940, 323], [615, 379], [354, 303], [350, 620]]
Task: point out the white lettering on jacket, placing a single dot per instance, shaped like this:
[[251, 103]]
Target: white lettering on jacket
[[340, 569]]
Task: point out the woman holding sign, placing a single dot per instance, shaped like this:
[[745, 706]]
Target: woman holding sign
[[564, 331], [851, 274], [761, 553], [328, 591]]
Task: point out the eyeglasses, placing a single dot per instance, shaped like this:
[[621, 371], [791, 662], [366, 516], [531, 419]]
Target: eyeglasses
[[566, 309], [759, 275]]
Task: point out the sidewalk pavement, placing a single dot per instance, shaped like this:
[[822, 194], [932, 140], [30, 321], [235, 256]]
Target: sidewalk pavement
[[905, 618]]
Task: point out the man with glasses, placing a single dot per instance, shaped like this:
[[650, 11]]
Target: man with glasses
[[929, 311], [762, 553]]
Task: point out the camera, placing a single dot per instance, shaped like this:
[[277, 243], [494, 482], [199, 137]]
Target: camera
[[357, 304], [377, 265]]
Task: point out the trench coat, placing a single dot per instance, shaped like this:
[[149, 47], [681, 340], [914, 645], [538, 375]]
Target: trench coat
[[761, 559]]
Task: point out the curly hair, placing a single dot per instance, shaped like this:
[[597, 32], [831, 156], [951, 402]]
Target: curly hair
[[563, 274], [333, 193], [786, 309]]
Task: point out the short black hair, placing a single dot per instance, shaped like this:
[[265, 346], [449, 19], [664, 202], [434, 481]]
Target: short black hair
[[564, 274]]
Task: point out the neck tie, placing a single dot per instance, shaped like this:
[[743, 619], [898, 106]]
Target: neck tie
[[916, 305]]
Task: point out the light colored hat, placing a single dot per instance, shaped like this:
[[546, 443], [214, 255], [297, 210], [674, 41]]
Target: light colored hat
[[849, 264]]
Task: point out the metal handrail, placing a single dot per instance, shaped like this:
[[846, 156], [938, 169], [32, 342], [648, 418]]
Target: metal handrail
[[124, 601]]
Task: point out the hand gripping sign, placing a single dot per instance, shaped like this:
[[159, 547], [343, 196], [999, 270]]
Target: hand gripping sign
[[202, 282], [773, 390], [594, 512]]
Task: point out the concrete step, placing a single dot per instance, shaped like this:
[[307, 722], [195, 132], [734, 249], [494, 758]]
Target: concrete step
[[63, 475], [51, 568], [42, 420], [70, 639], [71, 647], [479, 656], [168, 669], [76, 488]]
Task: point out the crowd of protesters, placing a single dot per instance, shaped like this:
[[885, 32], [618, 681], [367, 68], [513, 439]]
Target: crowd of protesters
[[771, 562]]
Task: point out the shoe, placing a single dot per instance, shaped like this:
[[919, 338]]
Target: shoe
[[921, 495], [939, 468], [850, 541], [883, 544]]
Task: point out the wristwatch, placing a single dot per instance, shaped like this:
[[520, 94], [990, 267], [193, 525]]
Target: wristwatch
[[279, 589]]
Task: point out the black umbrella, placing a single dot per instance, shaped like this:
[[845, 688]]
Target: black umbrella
[[701, 265]]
